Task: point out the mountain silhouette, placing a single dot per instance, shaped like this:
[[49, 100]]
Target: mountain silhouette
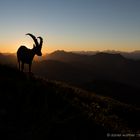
[[107, 74], [63, 56], [135, 55], [35, 108], [8, 58], [110, 70]]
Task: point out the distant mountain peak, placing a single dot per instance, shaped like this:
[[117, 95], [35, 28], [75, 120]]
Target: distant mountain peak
[[62, 52], [59, 52]]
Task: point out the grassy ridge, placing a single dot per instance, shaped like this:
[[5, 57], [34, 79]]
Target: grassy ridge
[[109, 113], [35, 108]]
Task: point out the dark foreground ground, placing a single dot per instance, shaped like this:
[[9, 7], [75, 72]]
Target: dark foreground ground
[[33, 108]]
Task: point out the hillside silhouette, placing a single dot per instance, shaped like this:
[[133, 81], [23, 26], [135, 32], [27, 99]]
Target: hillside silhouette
[[35, 108]]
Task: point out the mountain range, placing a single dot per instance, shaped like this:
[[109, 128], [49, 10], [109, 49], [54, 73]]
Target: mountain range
[[131, 55], [107, 74], [98, 66]]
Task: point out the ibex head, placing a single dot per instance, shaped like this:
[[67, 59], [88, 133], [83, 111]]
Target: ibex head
[[38, 45]]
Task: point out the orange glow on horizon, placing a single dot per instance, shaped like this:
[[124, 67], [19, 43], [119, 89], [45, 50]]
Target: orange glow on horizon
[[11, 47]]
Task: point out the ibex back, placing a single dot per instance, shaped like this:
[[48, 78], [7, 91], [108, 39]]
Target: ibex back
[[25, 55]]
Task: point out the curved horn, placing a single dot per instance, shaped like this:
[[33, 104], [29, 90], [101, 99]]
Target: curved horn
[[34, 38], [41, 41]]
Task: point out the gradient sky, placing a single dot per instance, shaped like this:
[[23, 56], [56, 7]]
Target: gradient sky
[[71, 24]]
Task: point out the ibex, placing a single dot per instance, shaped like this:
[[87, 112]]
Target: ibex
[[25, 55]]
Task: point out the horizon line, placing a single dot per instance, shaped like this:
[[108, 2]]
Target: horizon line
[[107, 50]]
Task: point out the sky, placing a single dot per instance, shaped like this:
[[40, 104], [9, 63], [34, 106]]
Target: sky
[[71, 25]]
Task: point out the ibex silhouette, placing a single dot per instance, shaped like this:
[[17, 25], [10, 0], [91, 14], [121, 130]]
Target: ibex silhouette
[[25, 55]]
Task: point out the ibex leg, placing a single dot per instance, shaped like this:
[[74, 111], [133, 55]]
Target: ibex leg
[[19, 65], [30, 68], [22, 66]]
